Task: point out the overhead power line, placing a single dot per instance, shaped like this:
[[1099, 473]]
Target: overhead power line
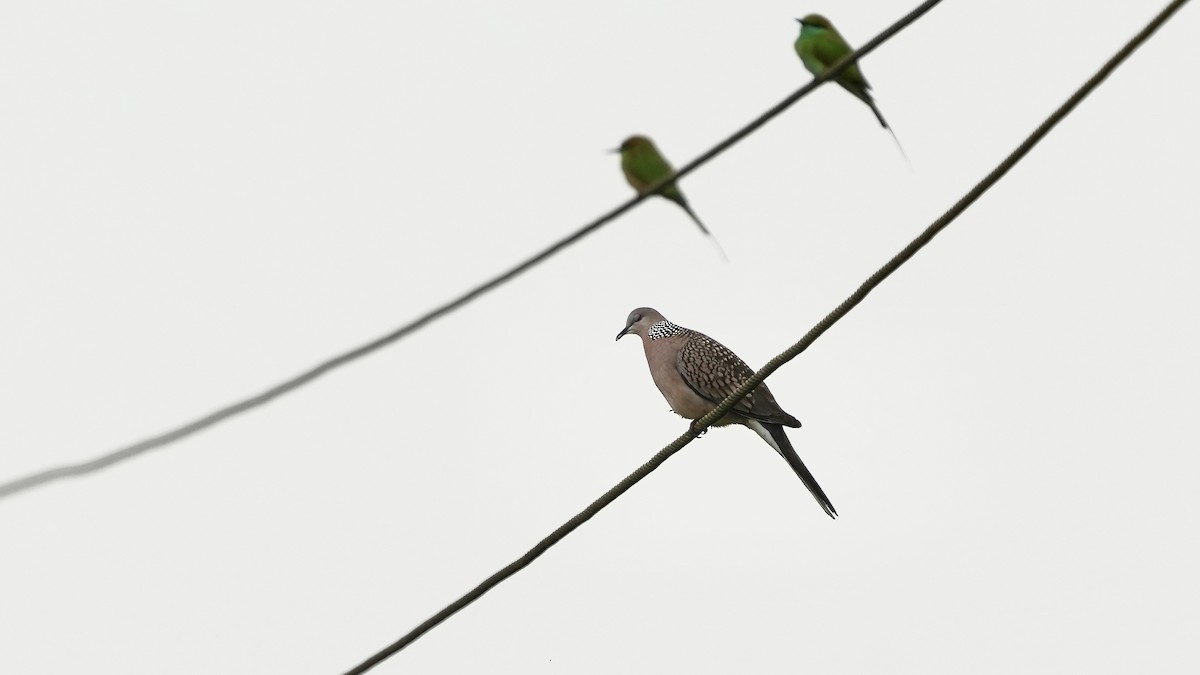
[[130, 451], [787, 355]]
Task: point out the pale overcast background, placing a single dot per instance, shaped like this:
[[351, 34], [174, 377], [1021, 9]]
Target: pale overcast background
[[198, 199]]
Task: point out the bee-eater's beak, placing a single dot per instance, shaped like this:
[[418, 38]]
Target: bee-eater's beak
[[800, 21], [614, 151]]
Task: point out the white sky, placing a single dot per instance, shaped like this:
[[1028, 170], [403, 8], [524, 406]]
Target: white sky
[[199, 199]]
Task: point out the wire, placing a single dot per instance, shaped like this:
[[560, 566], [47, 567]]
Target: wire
[[787, 355], [128, 452]]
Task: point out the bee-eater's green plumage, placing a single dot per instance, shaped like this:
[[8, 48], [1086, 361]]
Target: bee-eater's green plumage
[[820, 46], [644, 166]]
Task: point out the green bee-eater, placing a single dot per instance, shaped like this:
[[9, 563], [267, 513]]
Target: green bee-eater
[[820, 46], [644, 165]]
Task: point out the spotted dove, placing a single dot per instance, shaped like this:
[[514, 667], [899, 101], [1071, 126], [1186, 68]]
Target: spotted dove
[[695, 372]]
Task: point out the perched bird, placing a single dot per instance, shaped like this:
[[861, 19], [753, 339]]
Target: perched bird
[[820, 46], [695, 372], [644, 166]]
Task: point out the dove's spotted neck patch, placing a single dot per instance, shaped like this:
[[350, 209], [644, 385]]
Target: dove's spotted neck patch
[[663, 329]]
